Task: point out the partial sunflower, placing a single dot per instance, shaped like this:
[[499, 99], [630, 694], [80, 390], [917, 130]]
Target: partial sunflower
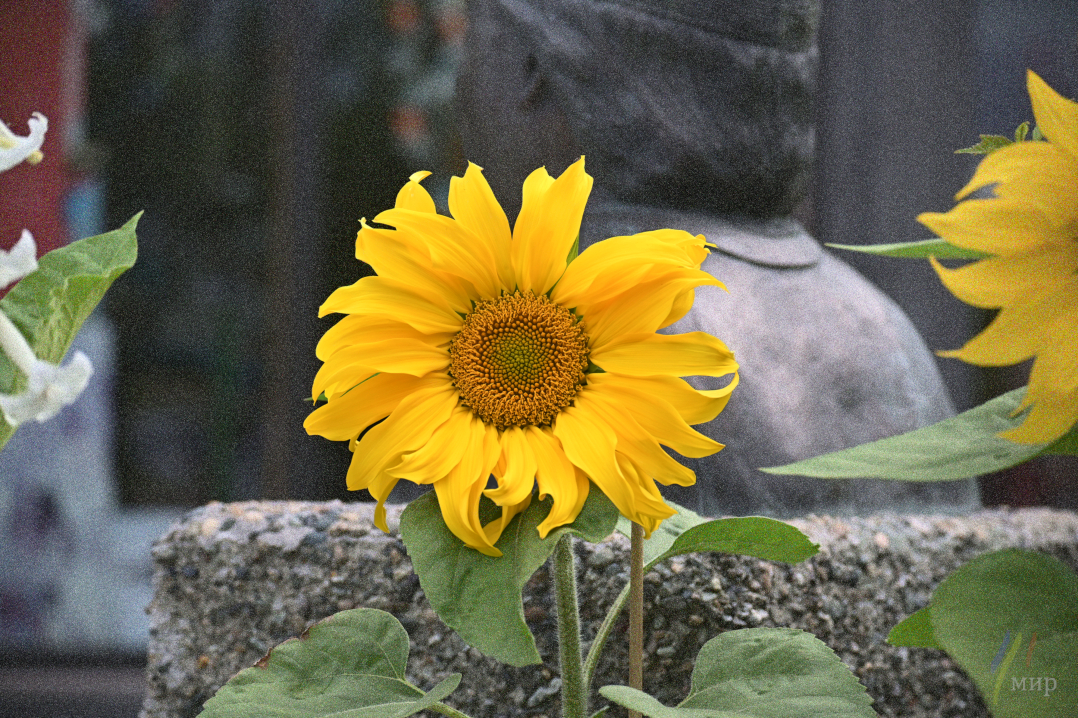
[[1030, 226], [486, 352]]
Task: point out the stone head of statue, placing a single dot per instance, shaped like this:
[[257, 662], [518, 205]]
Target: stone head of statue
[[676, 103]]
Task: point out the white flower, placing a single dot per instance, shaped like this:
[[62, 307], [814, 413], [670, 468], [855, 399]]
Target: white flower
[[19, 261], [49, 387], [15, 149]]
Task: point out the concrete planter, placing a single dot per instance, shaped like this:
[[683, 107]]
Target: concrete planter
[[233, 580]]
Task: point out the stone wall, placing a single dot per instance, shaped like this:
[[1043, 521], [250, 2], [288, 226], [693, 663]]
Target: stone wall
[[234, 580]]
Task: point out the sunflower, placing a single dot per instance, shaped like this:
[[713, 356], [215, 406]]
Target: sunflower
[[476, 351], [1030, 229]]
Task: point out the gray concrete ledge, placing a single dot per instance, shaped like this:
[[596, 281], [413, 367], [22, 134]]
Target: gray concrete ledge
[[233, 580]]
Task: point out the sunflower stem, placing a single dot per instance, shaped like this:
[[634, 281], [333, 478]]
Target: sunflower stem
[[636, 611], [574, 697]]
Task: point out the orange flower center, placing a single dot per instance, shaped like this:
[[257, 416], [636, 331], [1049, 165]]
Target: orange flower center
[[518, 360]]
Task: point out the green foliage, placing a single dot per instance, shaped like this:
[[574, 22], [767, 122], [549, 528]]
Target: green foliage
[[761, 673], [988, 144], [961, 447], [351, 665], [1066, 444], [50, 305], [922, 249], [479, 596], [915, 631], [991, 143], [688, 532], [1010, 620]]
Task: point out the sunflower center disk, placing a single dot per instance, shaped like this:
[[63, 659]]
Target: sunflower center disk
[[518, 360]]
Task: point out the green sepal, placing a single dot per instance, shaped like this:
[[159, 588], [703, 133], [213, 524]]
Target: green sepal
[[350, 665], [915, 631], [961, 447], [761, 673], [757, 536], [988, 144], [480, 596], [574, 251], [50, 304], [921, 249]]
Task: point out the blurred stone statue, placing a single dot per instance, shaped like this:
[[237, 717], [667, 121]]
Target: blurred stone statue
[[698, 116]]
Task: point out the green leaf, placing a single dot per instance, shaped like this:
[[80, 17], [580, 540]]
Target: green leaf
[[987, 145], [915, 631], [50, 304], [1008, 618], [1066, 445], [688, 532], [479, 596], [1021, 132], [351, 665], [1037, 135], [574, 250], [922, 249], [961, 447], [761, 673]]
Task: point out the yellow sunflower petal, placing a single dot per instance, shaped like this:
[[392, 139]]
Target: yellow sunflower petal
[[590, 444], [436, 458], [1048, 420], [408, 427], [651, 507], [380, 488], [413, 196], [517, 479], [399, 356], [681, 306], [614, 266], [643, 310], [1057, 117], [459, 492], [453, 248], [392, 259], [692, 354], [493, 530], [995, 226], [695, 406], [346, 416], [378, 297], [658, 416], [1016, 334], [472, 203], [1000, 281], [355, 329], [558, 478], [1036, 174], [548, 224], [635, 442]]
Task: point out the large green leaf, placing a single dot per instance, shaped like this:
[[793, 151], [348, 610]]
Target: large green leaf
[[761, 673], [688, 532], [1010, 619], [351, 665], [961, 447], [50, 304], [479, 596], [922, 249], [915, 631]]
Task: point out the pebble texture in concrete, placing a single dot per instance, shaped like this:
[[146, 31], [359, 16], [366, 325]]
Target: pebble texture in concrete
[[233, 580]]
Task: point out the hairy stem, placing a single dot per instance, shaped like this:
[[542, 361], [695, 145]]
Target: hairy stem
[[574, 696], [596, 649], [636, 612]]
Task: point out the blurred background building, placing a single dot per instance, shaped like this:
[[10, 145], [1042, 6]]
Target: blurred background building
[[254, 135]]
